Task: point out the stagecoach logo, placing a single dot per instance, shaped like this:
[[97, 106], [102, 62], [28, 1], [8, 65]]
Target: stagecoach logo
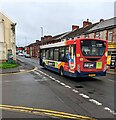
[[89, 65]]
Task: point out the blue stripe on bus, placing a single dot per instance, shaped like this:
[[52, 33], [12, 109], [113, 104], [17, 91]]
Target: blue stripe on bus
[[77, 74]]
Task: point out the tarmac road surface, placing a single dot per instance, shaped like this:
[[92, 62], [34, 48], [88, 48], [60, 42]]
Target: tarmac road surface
[[43, 89]]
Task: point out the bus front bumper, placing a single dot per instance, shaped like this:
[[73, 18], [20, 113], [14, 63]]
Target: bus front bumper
[[90, 74]]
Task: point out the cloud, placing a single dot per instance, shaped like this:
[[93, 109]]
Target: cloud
[[55, 17]]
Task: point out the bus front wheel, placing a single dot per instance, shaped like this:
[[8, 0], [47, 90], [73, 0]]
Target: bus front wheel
[[61, 71], [44, 65]]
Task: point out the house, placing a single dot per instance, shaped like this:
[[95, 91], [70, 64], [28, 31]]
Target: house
[[19, 49], [106, 29], [7, 38], [75, 32], [33, 49]]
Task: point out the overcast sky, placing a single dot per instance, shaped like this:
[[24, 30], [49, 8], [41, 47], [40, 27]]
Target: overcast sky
[[55, 16]]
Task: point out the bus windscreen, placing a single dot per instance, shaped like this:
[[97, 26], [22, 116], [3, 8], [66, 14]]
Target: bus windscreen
[[93, 47]]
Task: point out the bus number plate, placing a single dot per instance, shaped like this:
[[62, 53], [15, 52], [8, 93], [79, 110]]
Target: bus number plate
[[92, 75]]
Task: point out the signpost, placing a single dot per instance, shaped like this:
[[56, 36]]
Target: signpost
[[113, 61]]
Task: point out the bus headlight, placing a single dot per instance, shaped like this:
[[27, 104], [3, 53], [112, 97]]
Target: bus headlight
[[106, 53], [78, 68]]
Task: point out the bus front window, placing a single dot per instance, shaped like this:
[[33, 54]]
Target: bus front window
[[92, 47]]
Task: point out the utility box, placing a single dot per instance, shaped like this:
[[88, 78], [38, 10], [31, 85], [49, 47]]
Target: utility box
[[10, 56]]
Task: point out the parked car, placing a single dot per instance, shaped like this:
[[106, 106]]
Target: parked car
[[27, 56], [21, 54]]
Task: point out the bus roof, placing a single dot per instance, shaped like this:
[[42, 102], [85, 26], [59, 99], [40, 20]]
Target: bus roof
[[68, 42], [58, 44]]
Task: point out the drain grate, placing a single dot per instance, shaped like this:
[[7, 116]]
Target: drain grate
[[79, 86]]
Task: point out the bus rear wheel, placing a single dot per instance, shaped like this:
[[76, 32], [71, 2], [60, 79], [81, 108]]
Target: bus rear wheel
[[61, 71]]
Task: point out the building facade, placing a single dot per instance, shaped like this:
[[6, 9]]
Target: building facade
[[104, 29], [7, 38]]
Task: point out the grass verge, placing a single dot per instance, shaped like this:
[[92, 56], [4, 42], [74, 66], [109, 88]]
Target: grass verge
[[5, 65]]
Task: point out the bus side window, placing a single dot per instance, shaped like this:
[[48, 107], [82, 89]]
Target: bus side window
[[51, 54], [47, 53], [56, 54], [62, 54]]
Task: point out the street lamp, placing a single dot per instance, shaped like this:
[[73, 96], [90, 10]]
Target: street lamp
[[41, 31]]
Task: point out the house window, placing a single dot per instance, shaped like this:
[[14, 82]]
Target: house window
[[101, 35], [110, 35], [1, 32], [86, 36], [97, 35]]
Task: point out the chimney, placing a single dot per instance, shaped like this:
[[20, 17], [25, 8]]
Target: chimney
[[75, 27], [86, 23], [42, 38], [47, 37], [101, 20], [37, 41]]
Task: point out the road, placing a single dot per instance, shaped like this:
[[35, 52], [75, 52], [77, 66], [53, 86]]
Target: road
[[44, 89]]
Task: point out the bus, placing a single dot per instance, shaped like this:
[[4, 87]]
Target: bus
[[80, 57]]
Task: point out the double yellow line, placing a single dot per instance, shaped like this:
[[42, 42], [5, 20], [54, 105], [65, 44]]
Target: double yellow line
[[44, 112]]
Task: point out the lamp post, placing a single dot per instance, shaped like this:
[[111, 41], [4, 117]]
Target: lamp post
[[41, 31], [42, 35]]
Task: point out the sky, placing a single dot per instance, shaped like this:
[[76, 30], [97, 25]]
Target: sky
[[53, 16]]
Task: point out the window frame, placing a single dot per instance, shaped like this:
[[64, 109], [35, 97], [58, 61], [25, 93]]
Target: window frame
[[110, 35]]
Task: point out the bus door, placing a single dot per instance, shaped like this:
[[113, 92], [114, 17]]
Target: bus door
[[70, 57], [42, 56]]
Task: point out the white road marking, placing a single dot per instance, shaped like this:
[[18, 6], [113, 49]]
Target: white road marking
[[53, 79], [75, 91], [62, 84], [67, 86], [50, 77], [111, 111], [95, 101], [83, 95], [57, 81], [37, 73]]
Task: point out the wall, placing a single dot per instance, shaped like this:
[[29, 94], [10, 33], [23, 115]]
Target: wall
[[7, 38]]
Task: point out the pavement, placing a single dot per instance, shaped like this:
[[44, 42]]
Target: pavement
[[22, 67], [111, 71]]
